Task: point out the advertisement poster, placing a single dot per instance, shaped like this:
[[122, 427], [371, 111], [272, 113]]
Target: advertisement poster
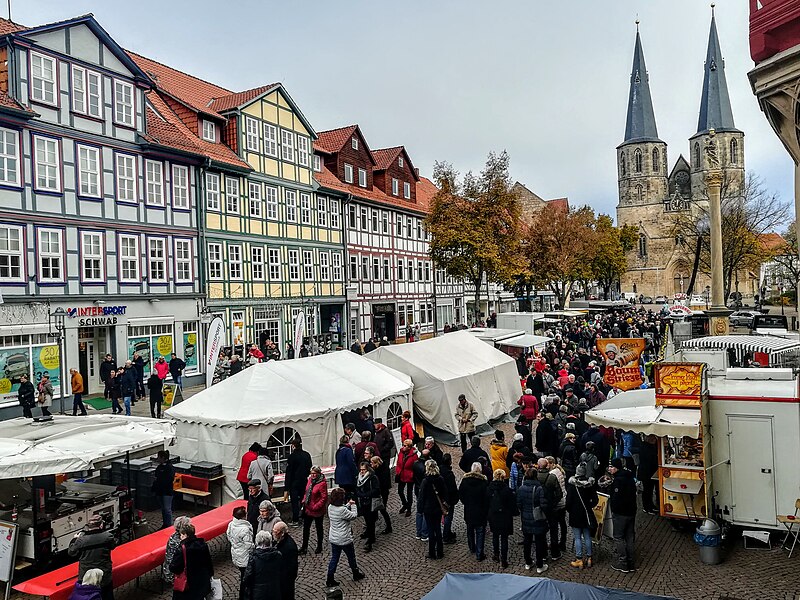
[[214, 341], [45, 359], [299, 332], [14, 362], [600, 511], [190, 351], [162, 346], [621, 356], [142, 346], [171, 395], [679, 384], [238, 329]]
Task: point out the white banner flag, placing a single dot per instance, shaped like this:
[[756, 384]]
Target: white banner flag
[[214, 341], [299, 332]]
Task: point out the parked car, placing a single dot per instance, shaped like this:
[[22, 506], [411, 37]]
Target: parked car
[[743, 318], [16, 366], [647, 300], [661, 299], [697, 299]]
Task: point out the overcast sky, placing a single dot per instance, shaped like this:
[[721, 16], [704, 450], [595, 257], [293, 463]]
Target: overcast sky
[[454, 79]]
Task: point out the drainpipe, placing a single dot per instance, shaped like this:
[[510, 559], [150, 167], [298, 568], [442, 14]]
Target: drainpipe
[[346, 270]]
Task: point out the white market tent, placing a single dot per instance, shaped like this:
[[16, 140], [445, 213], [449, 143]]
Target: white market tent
[[636, 410], [446, 366], [68, 444], [269, 402], [527, 341]]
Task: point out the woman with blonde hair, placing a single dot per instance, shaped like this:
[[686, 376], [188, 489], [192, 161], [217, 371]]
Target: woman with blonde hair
[[433, 504], [502, 510]]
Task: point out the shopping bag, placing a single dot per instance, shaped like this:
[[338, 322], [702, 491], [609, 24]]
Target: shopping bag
[[216, 589]]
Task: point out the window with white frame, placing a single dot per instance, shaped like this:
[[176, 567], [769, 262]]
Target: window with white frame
[[322, 211], [353, 216], [43, 78], [257, 262], [419, 228], [235, 261], [401, 315], [317, 163], [406, 190], [294, 265], [287, 145], [386, 272], [255, 200], [419, 271], [336, 259], [348, 173], [212, 191], [215, 261], [270, 140], [409, 224], [385, 221], [334, 213], [51, 255], [400, 273], [353, 267], [123, 103], [232, 195], [11, 253], [183, 261], [427, 271], [272, 202], [354, 143], [9, 157], [126, 178], [274, 264], [400, 161], [291, 206], [324, 266], [180, 186], [400, 226], [86, 92], [47, 164], [209, 131], [364, 219], [362, 178], [395, 186], [92, 259], [305, 209], [252, 133], [365, 268], [89, 171], [129, 259], [157, 260], [308, 265], [303, 147], [374, 221], [154, 176]]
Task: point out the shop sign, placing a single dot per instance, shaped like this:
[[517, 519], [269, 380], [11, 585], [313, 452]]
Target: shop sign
[[679, 384], [382, 309], [98, 316], [622, 361]]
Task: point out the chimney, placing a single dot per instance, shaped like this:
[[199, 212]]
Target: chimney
[[416, 169]]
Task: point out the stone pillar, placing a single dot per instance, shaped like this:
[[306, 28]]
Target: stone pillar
[[718, 313]]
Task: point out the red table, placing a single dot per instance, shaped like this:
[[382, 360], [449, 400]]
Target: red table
[[130, 560]]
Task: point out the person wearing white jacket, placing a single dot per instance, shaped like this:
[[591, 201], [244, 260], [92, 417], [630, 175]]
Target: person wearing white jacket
[[340, 535], [240, 536]]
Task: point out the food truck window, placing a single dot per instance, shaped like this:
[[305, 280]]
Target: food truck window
[[279, 447], [683, 452], [394, 416]]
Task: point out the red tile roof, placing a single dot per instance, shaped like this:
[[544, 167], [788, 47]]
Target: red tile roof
[[385, 157], [328, 180], [224, 103], [192, 91], [334, 140], [772, 241], [7, 27], [426, 190], [562, 203], [7, 101]]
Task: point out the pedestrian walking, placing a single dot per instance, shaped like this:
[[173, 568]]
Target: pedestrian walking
[[26, 395], [261, 469], [192, 567], [247, 458], [340, 535], [502, 510], [176, 366], [623, 514], [298, 467], [315, 502], [92, 547], [285, 544], [173, 545], [381, 470], [127, 385], [581, 500], [648, 466], [138, 364], [45, 397], [240, 537], [155, 387], [76, 381], [466, 415], [113, 391], [268, 517], [419, 475], [532, 501], [404, 476], [368, 498], [262, 577], [163, 487], [560, 515], [472, 455], [407, 431], [498, 452], [451, 497], [473, 493], [107, 367], [255, 497], [161, 367], [346, 470], [433, 503]]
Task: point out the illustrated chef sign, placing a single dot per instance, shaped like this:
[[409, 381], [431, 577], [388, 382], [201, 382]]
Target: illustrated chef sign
[[622, 361], [98, 316]]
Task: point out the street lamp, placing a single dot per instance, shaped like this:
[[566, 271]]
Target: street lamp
[[708, 295], [56, 318]]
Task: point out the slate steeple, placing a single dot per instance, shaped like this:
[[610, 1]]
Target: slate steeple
[[641, 122], [715, 104]]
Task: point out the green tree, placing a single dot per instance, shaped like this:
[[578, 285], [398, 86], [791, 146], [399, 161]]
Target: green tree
[[475, 224], [610, 246], [786, 261]]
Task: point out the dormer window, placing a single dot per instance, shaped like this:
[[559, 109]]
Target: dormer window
[[354, 143], [317, 164], [362, 178], [400, 162], [209, 131], [43, 78], [395, 187], [406, 190], [348, 173]]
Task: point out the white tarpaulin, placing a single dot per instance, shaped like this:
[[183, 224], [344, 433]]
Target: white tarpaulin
[[455, 363], [67, 444], [526, 341], [636, 410], [269, 402]]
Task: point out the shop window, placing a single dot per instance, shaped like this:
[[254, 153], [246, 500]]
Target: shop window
[[150, 342], [191, 348], [394, 416], [279, 446]]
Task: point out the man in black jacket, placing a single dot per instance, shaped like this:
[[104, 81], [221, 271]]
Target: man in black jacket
[[472, 455], [108, 365], [26, 394], [176, 367], [298, 467], [162, 487], [446, 471], [254, 500], [288, 549], [128, 386], [385, 441], [623, 514], [92, 546], [648, 465]]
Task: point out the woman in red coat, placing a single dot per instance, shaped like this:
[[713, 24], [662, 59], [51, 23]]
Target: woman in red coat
[[530, 406], [315, 502], [406, 428], [404, 475], [247, 458]]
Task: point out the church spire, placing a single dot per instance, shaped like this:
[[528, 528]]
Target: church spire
[[641, 122], [715, 105]]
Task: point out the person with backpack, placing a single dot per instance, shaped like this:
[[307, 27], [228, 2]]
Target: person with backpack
[[502, 510], [532, 500], [581, 500], [553, 493]]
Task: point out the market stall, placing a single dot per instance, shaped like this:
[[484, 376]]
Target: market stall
[[444, 367], [273, 402], [766, 350]]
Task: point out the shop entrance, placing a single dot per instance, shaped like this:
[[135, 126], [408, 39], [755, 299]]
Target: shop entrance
[[92, 347], [383, 321]]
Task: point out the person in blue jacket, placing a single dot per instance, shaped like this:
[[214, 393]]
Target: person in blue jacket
[[346, 469]]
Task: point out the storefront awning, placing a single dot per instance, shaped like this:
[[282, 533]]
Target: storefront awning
[[747, 343], [636, 411]]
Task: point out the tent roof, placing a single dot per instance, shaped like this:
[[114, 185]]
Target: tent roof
[[301, 389], [749, 343], [446, 357], [526, 341], [68, 444], [494, 334], [516, 587], [636, 410]]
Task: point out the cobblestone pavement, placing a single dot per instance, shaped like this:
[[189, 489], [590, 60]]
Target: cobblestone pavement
[[667, 560]]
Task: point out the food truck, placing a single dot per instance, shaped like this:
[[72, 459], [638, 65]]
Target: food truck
[[718, 434]]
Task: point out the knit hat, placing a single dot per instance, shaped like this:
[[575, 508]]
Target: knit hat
[[616, 463], [563, 409], [580, 470], [95, 522], [571, 427], [517, 437]]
